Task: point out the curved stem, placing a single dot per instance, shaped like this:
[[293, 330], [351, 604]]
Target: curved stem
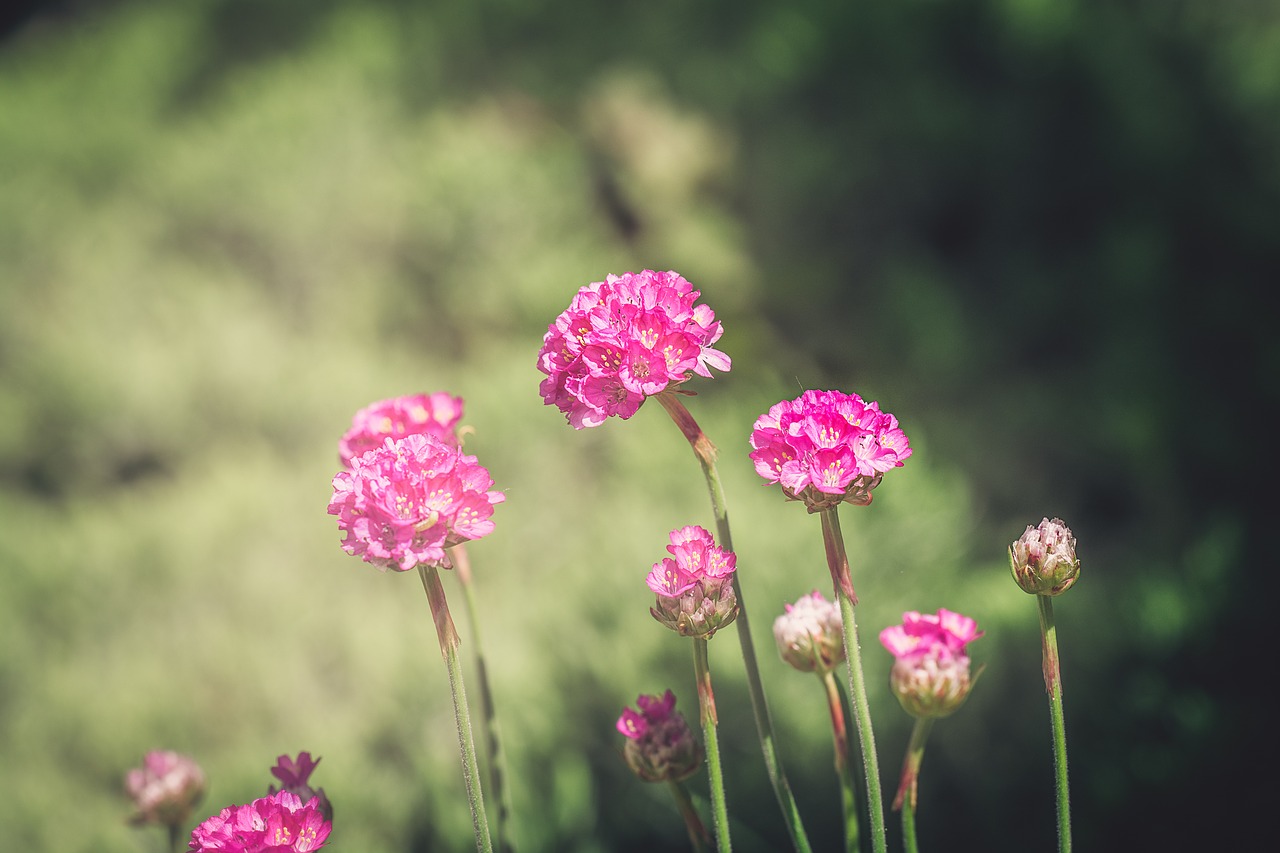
[[697, 831], [909, 784], [707, 706], [706, 453], [449, 643], [1053, 686], [840, 736]]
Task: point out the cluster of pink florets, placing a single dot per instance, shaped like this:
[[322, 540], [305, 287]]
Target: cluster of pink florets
[[407, 500], [825, 447], [660, 746], [280, 823], [434, 414], [694, 586], [930, 674], [624, 339]]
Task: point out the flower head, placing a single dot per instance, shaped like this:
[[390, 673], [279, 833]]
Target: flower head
[[694, 586], [434, 414], [930, 673], [404, 502], [1043, 560], [660, 747], [280, 823], [826, 447], [165, 788], [624, 339], [810, 634], [295, 775]]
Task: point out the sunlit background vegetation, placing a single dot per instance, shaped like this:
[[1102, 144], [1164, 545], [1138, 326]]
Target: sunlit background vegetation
[[1038, 232]]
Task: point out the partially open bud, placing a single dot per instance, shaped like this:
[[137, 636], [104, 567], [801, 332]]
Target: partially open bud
[[295, 777], [930, 673], [694, 586], [810, 634], [165, 788], [660, 745], [1043, 560]]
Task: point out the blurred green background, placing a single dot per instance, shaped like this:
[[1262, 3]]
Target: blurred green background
[[1041, 233]]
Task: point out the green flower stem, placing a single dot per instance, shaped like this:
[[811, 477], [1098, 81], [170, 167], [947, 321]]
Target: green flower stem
[[707, 705], [840, 736], [449, 643], [697, 831], [838, 562], [1053, 686], [499, 792], [908, 786], [175, 837], [706, 453]]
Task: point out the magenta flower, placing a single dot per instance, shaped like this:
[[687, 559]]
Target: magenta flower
[[280, 823], [930, 673], [624, 339], [404, 502], [295, 775], [810, 634], [165, 788], [826, 447], [695, 585], [433, 414], [660, 746]]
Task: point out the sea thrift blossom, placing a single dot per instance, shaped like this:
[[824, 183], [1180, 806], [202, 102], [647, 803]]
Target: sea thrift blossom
[[165, 788], [404, 502], [295, 776], [810, 634], [930, 673], [434, 414], [624, 339], [1043, 560], [694, 586], [826, 447], [280, 823], [660, 746]]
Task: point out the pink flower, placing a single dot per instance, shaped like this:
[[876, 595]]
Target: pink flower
[[660, 745], [165, 788], [826, 447], [434, 414], [810, 634], [295, 775], [694, 586], [404, 502], [624, 339], [930, 673], [280, 823]]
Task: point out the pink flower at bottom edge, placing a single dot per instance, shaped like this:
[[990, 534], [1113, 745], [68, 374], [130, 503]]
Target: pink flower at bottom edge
[[280, 823]]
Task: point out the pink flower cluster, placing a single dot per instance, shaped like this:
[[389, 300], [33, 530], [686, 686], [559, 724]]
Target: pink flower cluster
[[931, 664], [624, 339], [165, 788], [694, 585], [434, 414], [404, 502], [280, 823], [825, 447], [660, 745]]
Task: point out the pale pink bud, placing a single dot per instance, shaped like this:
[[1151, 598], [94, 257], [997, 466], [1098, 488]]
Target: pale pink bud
[[810, 634], [165, 788], [1043, 560]]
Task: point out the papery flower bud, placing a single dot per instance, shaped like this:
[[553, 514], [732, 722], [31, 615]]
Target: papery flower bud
[[930, 673], [810, 634], [660, 746], [694, 587], [1043, 560], [280, 823], [295, 776], [165, 788]]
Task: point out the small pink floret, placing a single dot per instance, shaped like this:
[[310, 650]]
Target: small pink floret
[[435, 414]]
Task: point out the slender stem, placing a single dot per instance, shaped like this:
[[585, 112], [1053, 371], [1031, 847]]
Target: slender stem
[[1053, 686], [499, 792], [838, 562], [840, 736], [706, 453], [697, 831], [449, 643], [909, 784], [909, 842], [707, 706], [175, 836]]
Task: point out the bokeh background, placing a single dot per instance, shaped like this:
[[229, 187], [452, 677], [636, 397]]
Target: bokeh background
[[1041, 233]]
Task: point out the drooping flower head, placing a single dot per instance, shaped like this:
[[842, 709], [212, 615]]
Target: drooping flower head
[[404, 502], [930, 673], [660, 746], [165, 788], [810, 634], [694, 586], [280, 823], [623, 339], [433, 414], [826, 447], [1043, 560], [295, 776]]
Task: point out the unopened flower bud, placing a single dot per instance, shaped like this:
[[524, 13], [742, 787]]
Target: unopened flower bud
[[1043, 560], [660, 745], [810, 634], [295, 777], [165, 788], [930, 673]]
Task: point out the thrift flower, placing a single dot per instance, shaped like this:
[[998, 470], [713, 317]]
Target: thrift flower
[[1043, 560], [930, 673], [294, 776], [624, 339], [694, 586], [810, 634], [660, 746], [404, 502], [165, 788], [433, 414], [280, 823], [826, 447]]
